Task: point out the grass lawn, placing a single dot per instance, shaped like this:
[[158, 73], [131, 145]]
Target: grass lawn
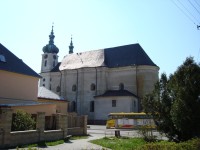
[[122, 143], [139, 144]]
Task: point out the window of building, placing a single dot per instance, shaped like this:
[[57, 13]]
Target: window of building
[[58, 89], [2, 58], [92, 106], [45, 56], [43, 85], [134, 103], [92, 87], [54, 63], [114, 103], [50, 87], [73, 106], [74, 87], [45, 63], [43, 79], [50, 79], [121, 86]]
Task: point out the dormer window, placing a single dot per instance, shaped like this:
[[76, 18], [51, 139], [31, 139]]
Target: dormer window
[[2, 58]]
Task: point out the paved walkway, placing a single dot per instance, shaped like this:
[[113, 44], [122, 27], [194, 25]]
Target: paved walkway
[[81, 144], [95, 132]]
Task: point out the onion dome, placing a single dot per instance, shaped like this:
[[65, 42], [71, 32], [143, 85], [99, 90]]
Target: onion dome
[[51, 48]]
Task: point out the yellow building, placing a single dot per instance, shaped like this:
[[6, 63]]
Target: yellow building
[[19, 85]]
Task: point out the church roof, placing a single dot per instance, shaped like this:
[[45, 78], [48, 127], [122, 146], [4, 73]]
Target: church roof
[[82, 60], [116, 93], [10, 62], [47, 94], [127, 55], [56, 68]]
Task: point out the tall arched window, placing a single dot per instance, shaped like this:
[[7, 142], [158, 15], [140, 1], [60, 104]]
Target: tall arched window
[[92, 87], [74, 88], [58, 89], [45, 63], [121, 86], [92, 106], [73, 106]]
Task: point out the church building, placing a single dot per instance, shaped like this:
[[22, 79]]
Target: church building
[[101, 81]]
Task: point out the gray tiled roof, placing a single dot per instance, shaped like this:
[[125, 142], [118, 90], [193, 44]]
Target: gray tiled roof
[[14, 64], [116, 93], [126, 55], [121, 56], [56, 68], [47, 94], [8, 102]]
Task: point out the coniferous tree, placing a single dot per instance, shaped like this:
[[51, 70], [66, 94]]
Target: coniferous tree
[[175, 102]]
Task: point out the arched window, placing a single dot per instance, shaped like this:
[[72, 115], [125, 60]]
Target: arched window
[[74, 88], [73, 106], [43, 85], [58, 89], [121, 86], [45, 63], [92, 87], [92, 106], [43, 79]]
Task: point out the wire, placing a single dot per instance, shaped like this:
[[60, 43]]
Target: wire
[[197, 3], [183, 12], [188, 11], [194, 6]]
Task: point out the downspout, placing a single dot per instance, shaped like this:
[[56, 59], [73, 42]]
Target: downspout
[[96, 82], [76, 91], [60, 81], [137, 89]]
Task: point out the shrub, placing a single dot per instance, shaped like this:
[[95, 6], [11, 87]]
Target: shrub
[[22, 121], [147, 133]]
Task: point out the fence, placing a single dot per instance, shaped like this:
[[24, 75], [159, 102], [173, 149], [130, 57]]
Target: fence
[[66, 124]]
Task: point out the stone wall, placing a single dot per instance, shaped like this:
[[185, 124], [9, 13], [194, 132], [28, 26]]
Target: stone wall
[[13, 139]]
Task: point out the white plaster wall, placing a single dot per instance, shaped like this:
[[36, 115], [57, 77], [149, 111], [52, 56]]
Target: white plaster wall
[[103, 106], [50, 60], [125, 75]]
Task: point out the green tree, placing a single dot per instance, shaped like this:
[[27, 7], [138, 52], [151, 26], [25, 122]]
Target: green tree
[[175, 102], [22, 121]]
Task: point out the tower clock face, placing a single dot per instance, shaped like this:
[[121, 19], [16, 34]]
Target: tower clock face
[[45, 56], [54, 56]]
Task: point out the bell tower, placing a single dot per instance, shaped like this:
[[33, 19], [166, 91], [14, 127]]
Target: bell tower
[[49, 57]]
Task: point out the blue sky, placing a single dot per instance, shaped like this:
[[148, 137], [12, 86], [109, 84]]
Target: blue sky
[[166, 34]]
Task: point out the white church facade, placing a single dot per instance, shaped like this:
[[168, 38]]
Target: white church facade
[[100, 81]]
